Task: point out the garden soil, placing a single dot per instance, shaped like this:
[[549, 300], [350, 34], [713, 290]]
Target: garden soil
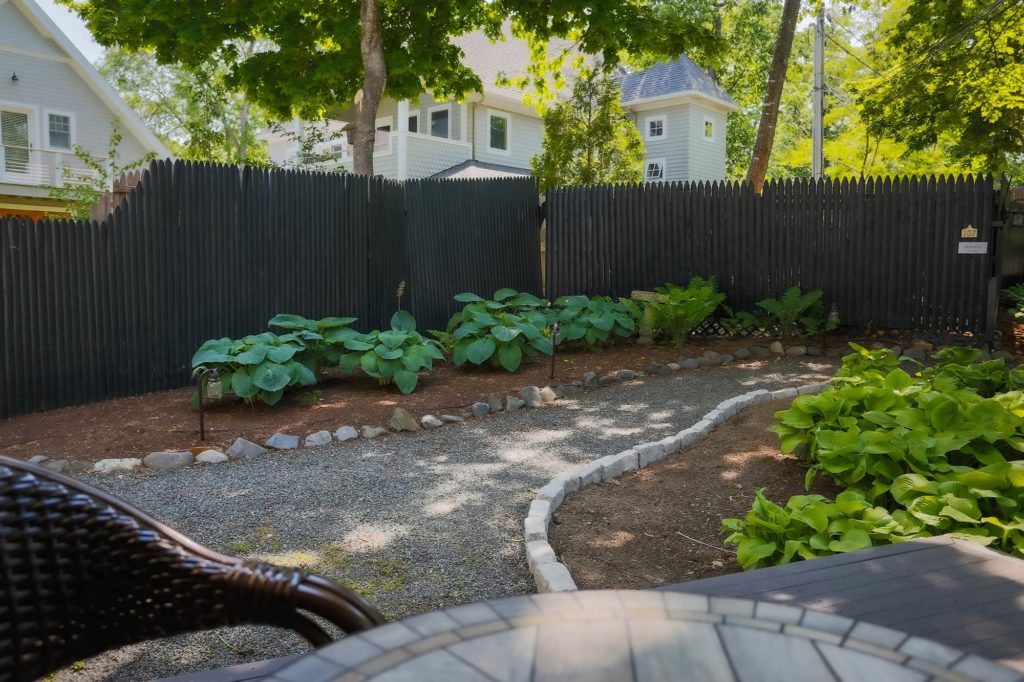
[[661, 525], [136, 426]]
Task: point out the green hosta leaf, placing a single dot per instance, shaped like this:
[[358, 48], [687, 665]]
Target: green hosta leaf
[[795, 418], [605, 324], [466, 330], [402, 321], [271, 397], [334, 322], [480, 351], [543, 344], [510, 356], [241, 383], [467, 298], [851, 541], [349, 361], [405, 380], [752, 551], [504, 294], [253, 356], [387, 353], [358, 345], [292, 322], [368, 362], [909, 486], [459, 353], [281, 354], [340, 334], [270, 377], [300, 374], [393, 339], [503, 333], [210, 356]]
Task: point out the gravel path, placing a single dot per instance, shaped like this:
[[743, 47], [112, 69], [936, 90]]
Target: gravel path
[[414, 523]]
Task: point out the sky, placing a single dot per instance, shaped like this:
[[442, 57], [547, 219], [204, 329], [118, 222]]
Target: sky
[[73, 27]]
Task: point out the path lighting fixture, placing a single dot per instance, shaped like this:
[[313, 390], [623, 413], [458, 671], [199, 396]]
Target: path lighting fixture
[[554, 341], [833, 316], [209, 386], [14, 78]]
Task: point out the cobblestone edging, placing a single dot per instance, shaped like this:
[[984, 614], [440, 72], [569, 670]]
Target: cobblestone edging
[[549, 574]]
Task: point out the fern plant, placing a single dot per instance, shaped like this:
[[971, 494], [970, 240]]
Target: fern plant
[[678, 311], [737, 321], [798, 313]]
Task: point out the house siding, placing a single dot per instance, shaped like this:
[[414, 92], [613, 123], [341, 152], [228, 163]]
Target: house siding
[[427, 156], [675, 146], [424, 103], [707, 160], [526, 138], [18, 32]]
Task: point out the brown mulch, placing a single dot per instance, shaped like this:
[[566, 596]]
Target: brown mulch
[[136, 426], [629, 533]]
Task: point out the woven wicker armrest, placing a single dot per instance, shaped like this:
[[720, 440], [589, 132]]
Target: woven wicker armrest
[[83, 572]]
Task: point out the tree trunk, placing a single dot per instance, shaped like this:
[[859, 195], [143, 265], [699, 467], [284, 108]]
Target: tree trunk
[[375, 76], [773, 95]]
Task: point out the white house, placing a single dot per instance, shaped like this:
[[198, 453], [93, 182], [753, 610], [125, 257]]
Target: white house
[[51, 99], [680, 111]]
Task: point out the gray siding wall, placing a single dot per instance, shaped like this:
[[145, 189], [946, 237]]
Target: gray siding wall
[[674, 146], [426, 156], [18, 32], [707, 160], [422, 106], [526, 137]]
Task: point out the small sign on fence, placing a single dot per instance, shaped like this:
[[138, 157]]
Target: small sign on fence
[[969, 232], [966, 248]]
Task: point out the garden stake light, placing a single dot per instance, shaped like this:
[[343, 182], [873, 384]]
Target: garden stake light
[[554, 341], [209, 379]]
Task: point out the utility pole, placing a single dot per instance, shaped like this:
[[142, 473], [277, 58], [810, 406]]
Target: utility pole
[[818, 125]]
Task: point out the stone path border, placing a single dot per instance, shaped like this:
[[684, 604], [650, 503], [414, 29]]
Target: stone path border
[[549, 574]]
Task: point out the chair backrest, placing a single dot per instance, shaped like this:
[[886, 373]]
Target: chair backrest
[[83, 572]]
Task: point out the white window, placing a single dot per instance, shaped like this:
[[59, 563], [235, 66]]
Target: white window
[[16, 136], [414, 123], [654, 169], [499, 127], [654, 128], [440, 121], [59, 131], [709, 130]]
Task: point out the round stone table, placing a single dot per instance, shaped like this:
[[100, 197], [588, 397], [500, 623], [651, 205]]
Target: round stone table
[[623, 635]]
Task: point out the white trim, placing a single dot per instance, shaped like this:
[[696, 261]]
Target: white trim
[[92, 78], [463, 121], [714, 129], [388, 121], [46, 130], [398, 140], [664, 170], [680, 98], [664, 127], [430, 120], [442, 140], [497, 113], [32, 115]]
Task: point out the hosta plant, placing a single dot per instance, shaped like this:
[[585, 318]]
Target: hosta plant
[[500, 331], [324, 338], [258, 367], [678, 311], [811, 526], [797, 313], [396, 356], [592, 321]]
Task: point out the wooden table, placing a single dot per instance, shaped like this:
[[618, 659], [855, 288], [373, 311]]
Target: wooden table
[[609, 635]]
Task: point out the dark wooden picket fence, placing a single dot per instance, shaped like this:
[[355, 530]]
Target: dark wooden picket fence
[[884, 251], [99, 309]]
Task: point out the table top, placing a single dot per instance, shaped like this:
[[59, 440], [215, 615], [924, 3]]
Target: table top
[[626, 635]]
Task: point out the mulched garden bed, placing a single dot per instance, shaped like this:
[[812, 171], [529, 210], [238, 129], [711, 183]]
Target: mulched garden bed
[[629, 533], [136, 426]]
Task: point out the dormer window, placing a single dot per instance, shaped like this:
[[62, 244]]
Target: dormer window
[[709, 130], [655, 128]]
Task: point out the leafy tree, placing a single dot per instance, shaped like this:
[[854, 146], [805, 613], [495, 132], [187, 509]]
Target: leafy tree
[[193, 110], [956, 78], [80, 191], [588, 139], [323, 55]]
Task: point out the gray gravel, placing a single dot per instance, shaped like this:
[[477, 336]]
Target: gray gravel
[[416, 522]]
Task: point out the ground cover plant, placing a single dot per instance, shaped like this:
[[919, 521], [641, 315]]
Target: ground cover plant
[[393, 356], [500, 331], [936, 452], [258, 367]]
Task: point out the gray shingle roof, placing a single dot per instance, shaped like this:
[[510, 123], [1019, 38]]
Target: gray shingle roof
[[669, 78]]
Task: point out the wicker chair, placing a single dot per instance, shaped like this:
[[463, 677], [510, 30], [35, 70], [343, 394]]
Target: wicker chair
[[84, 572]]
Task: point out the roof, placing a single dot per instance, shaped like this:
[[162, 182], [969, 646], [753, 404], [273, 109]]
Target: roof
[[510, 57], [479, 169], [92, 78], [672, 78]]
